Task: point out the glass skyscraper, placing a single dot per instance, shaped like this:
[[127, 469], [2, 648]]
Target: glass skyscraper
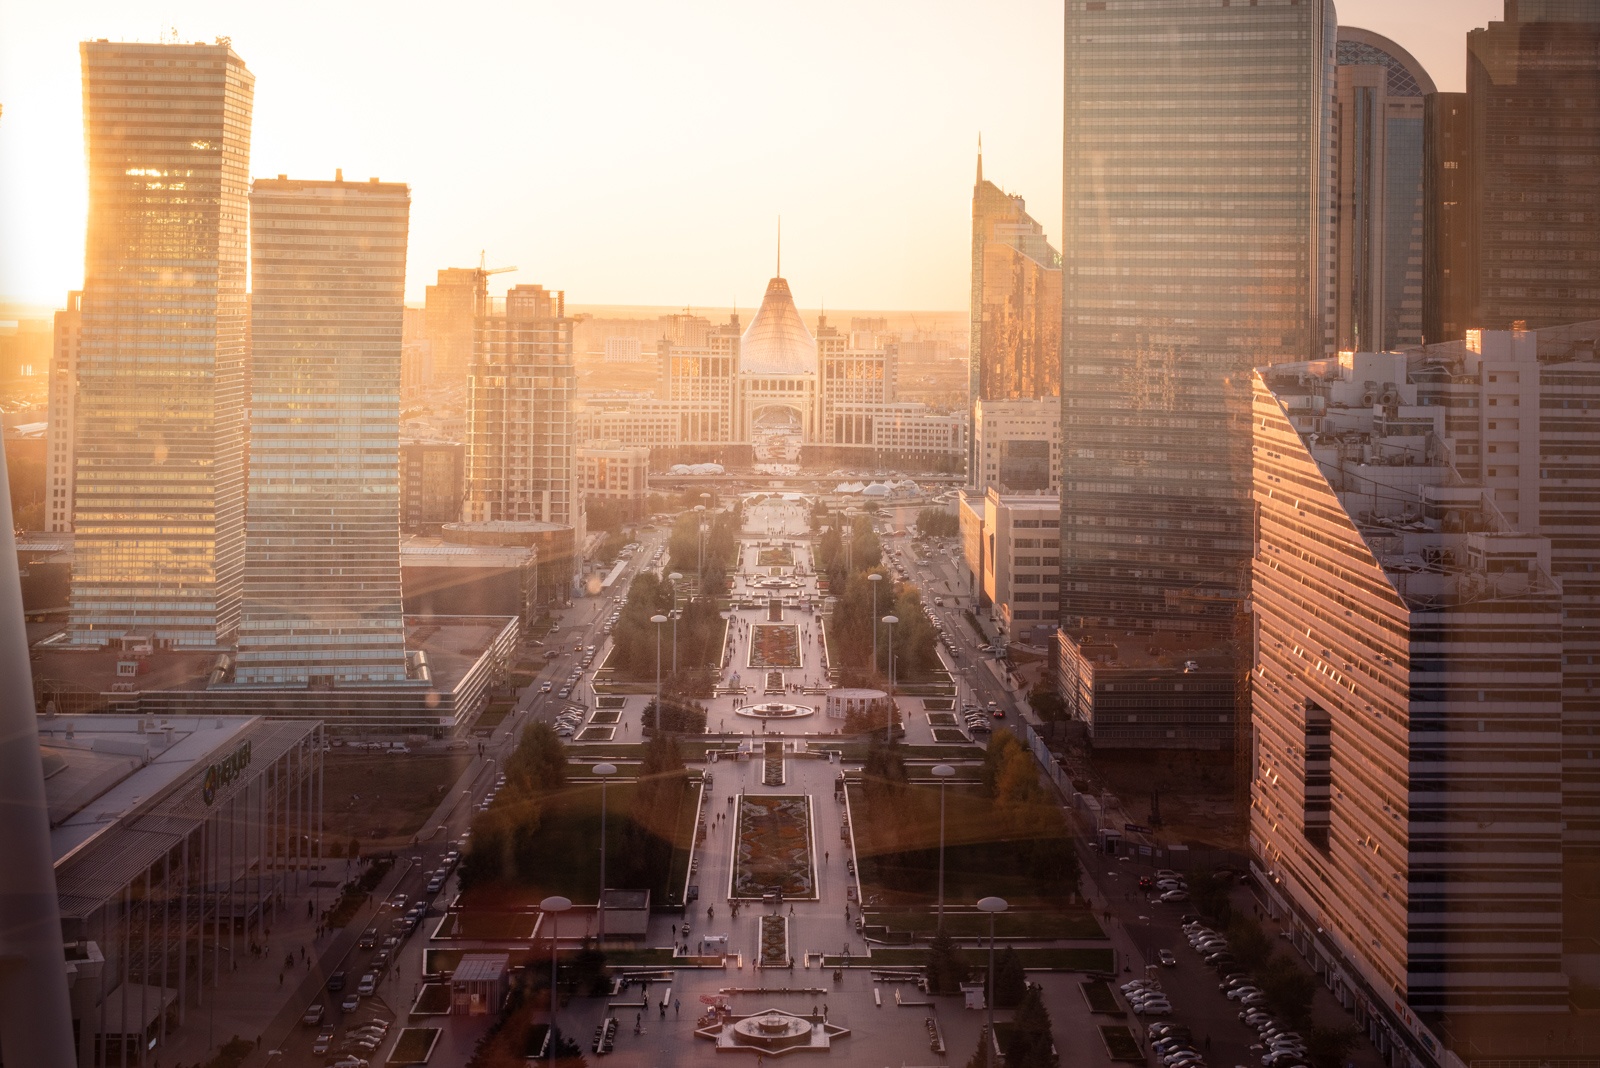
[[1195, 244], [159, 514], [322, 600]]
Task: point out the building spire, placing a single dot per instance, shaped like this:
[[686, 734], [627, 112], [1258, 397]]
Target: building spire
[[779, 272], [980, 157]]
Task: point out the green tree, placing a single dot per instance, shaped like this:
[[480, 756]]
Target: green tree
[[1046, 701], [938, 523], [1327, 1047], [538, 765], [1010, 980], [947, 969], [1289, 989], [1211, 898], [1029, 1043], [1249, 943]]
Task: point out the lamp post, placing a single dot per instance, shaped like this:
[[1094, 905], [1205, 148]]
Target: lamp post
[[943, 771], [658, 619], [991, 905], [605, 771], [553, 907], [888, 727], [874, 578], [675, 578], [700, 530]]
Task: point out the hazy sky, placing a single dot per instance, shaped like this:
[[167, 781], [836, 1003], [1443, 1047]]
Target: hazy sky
[[627, 152]]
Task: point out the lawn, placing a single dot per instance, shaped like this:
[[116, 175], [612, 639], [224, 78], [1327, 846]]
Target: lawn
[[942, 719], [493, 716], [381, 799], [1033, 923], [1099, 996], [490, 926], [415, 1045], [1120, 1044], [949, 734]]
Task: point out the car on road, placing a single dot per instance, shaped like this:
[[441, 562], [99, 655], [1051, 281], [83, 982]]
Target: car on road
[[1174, 897], [336, 980], [351, 1003], [349, 1062], [369, 938], [323, 1043], [368, 984], [546, 687], [436, 883], [1167, 958], [565, 691], [313, 1014]]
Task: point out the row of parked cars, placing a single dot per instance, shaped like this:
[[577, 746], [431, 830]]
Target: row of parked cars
[[569, 721], [1282, 1046], [1146, 997], [1167, 885]]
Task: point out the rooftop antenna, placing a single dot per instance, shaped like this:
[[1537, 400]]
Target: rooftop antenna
[[980, 155], [780, 246]]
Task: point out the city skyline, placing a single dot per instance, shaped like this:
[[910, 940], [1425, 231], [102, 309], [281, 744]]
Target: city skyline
[[868, 210]]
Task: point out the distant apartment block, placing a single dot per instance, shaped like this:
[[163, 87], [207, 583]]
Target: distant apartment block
[[322, 599], [612, 471], [623, 350], [1012, 547], [60, 470], [159, 512], [452, 305], [521, 440], [433, 476]]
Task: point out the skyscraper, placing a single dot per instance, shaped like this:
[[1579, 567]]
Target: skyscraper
[[1448, 285], [1016, 300], [1195, 236], [520, 428], [159, 512], [60, 470], [452, 306], [1378, 150], [322, 544], [1533, 99]]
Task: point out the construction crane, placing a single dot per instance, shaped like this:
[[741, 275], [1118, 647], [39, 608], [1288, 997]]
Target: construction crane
[[482, 281]]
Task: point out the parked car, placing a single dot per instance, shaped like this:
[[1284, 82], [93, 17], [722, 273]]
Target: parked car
[[351, 1003], [368, 984], [313, 1014], [323, 1043]]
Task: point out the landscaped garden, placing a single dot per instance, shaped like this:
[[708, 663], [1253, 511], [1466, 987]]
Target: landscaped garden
[[942, 719], [774, 942], [949, 734], [775, 556], [774, 847], [772, 764], [415, 1045], [775, 645]]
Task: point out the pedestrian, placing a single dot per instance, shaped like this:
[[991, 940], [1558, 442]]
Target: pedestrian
[[676, 1006]]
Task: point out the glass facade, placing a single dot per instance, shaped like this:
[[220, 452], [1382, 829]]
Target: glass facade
[[1195, 237], [159, 514], [322, 545], [1016, 300]]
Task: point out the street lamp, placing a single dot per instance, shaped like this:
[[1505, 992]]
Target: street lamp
[[888, 727], [943, 771], [991, 905], [605, 771], [700, 529], [658, 619], [675, 578], [554, 906], [874, 578]]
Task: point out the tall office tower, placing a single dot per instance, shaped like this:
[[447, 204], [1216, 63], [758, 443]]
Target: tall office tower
[[1447, 282], [1015, 349], [160, 430], [1378, 150], [322, 598], [521, 444], [1533, 96], [58, 465], [1426, 794], [1196, 234]]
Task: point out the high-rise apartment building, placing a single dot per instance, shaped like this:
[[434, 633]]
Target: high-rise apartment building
[[1424, 798], [160, 427], [520, 438], [322, 601], [451, 307], [1533, 98], [1016, 300], [1448, 285], [433, 479], [60, 473], [1378, 153], [1196, 235]]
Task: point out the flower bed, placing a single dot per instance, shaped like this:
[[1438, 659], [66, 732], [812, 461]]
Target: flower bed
[[606, 716], [415, 1045], [775, 645], [596, 734], [774, 847], [774, 942], [610, 702], [949, 734], [779, 556], [772, 764], [942, 719]]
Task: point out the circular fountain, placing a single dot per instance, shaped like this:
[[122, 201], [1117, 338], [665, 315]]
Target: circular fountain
[[775, 710]]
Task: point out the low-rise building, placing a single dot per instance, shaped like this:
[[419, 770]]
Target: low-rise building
[[1017, 445], [1012, 550], [612, 471]]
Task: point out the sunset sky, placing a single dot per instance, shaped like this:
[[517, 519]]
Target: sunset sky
[[625, 152]]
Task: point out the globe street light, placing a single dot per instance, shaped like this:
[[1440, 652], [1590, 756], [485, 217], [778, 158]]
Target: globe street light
[[874, 578], [991, 905], [658, 619], [888, 728], [943, 771], [553, 907], [605, 771], [700, 530]]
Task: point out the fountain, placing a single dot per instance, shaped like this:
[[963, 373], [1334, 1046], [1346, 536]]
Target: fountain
[[773, 1033]]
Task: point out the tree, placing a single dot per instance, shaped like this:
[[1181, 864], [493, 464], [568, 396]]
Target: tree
[[1289, 989], [1327, 1047], [539, 763], [1046, 701], [1249, 943], [1209, 892], [1029, 1043], [946, 969], [678, 716], [938, 523], [1010, 980]]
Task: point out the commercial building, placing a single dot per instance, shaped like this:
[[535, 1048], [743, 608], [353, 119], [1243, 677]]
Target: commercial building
[[322, 600], [1533, 102], [60, 467], [1378, 156], [612, 471], [176, 843], [1012, 544], [433, 479], [1196, 237], [1448, 284], [521, 443], [1419, 788], [1016, 446], [159, 514], [1015, 348]]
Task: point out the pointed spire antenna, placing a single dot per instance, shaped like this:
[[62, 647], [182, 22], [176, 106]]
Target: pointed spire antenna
[[980, 155], [779, 272]]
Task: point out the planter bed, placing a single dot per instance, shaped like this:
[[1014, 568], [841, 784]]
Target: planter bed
[[773, 847]]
